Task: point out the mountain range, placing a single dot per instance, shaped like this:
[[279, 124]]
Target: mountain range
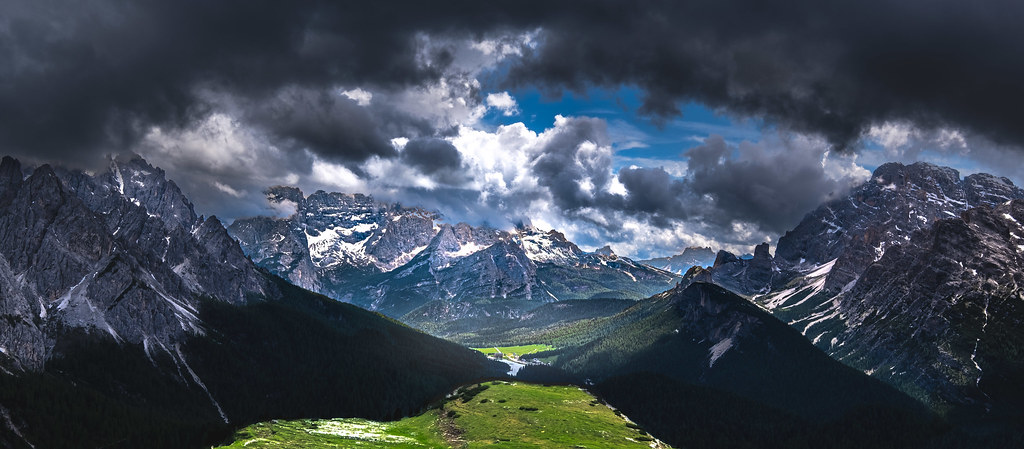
[[408, 264]]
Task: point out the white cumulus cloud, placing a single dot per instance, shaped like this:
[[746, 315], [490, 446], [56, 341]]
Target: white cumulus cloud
[[503, 102]]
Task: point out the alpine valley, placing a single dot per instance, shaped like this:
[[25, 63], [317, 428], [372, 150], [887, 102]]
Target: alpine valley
[[890, 317]]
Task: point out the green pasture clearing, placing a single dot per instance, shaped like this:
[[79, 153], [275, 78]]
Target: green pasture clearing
[[518, 350], [499, 414]]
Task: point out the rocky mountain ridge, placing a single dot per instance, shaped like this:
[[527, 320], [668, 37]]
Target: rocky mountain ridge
[[834, 280], [408, 264], [693, 256]]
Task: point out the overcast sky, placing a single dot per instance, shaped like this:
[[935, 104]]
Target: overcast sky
[[646, 125]]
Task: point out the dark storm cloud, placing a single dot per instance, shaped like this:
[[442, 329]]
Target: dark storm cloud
[[431, 155], [654, 192], [436, 158], [326, 123], [81, 76], [771, 189], [764, 187], [575, 153], [832, 68]]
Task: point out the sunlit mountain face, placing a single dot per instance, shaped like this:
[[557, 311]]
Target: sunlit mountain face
[[254, 211]]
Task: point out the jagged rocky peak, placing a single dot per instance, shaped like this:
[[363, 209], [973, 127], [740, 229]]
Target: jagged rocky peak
[[606, 251], [852, 232], [918, 173], [724, 257], [330, 231], [548, 247], [352, 215], [985, 189], [279, 194], [762, 261], [10, 177], [709, 313], [704, 301], [147, 186], [680, 263], [699, 254], [118, 253], [454, 242], [744, 276], [696, 273], [761, 252]]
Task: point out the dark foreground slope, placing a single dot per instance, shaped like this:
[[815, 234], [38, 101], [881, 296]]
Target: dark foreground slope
[[701, 367], [706, 335], [301, 356]]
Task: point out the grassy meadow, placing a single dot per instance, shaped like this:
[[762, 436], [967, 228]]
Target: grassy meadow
[[493, 414]]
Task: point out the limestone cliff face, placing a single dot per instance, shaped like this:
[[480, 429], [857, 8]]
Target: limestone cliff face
[[942, 315], [332, 236], [120, 252], [895, 279]]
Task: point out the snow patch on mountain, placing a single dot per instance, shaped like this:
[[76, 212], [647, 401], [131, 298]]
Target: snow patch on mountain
[[545, 247], [811, 283], [718, 350], [464, 250], [328, 248]]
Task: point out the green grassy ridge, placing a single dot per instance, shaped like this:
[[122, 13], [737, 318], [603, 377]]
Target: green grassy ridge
[[501, 414], [410, 433]]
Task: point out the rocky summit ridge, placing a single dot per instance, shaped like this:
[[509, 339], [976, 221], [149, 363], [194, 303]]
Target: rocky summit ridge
[[693, 256], [120, 252]]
